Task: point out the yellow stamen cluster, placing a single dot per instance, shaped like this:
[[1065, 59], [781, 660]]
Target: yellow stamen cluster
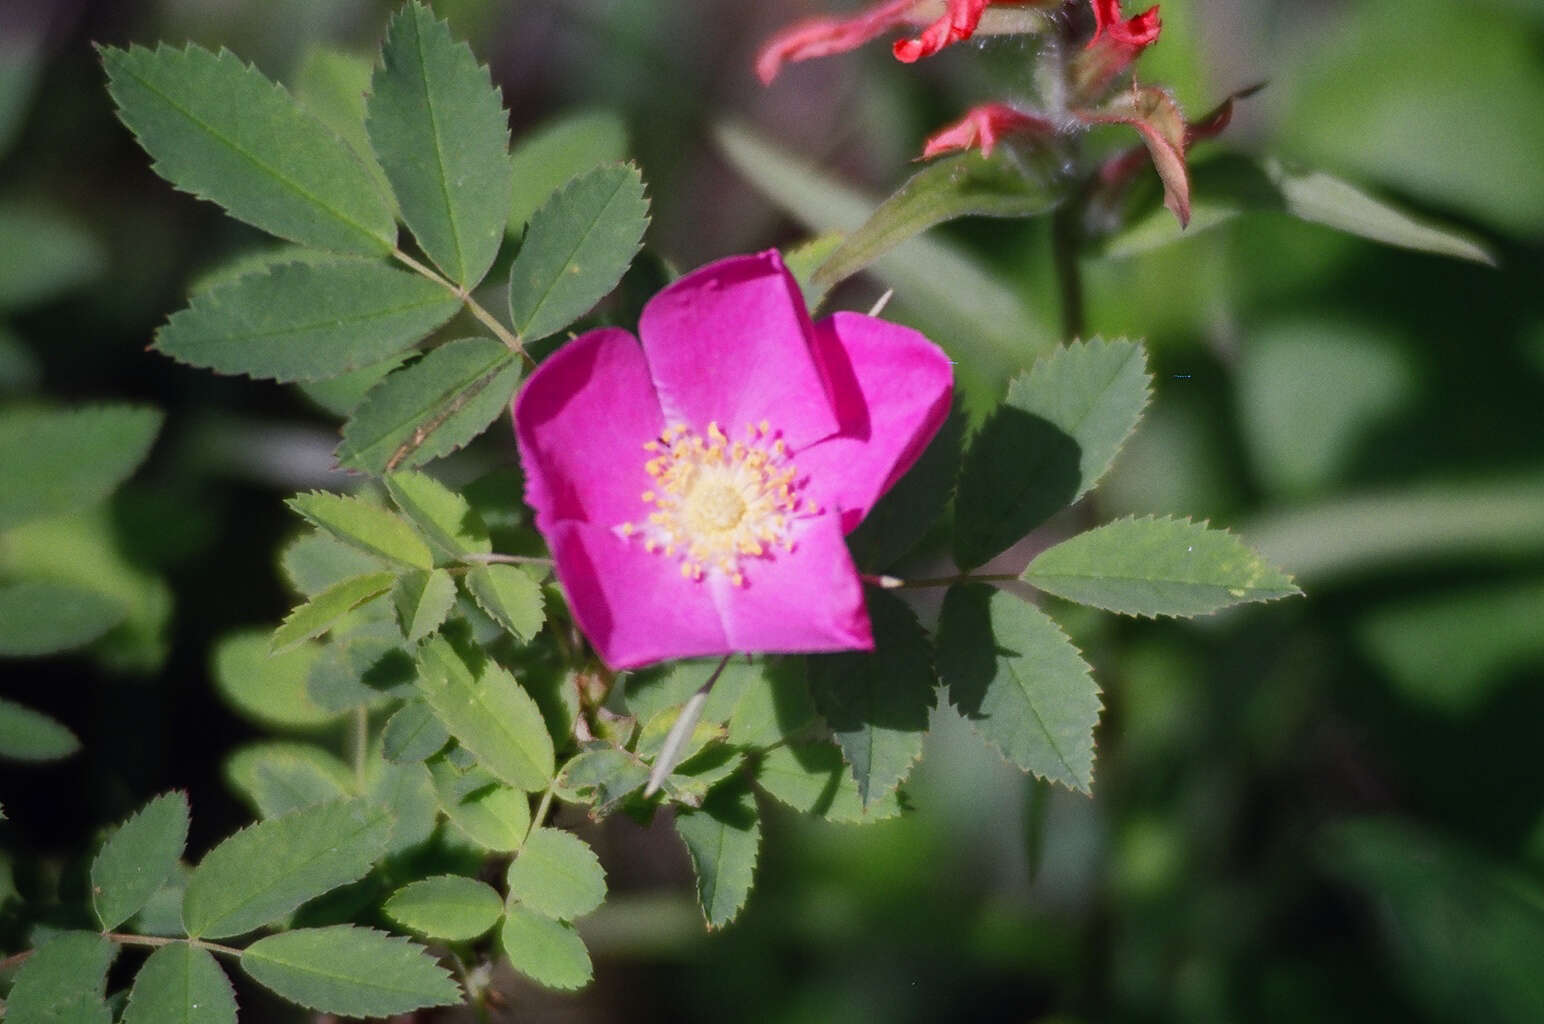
[[715, 501]]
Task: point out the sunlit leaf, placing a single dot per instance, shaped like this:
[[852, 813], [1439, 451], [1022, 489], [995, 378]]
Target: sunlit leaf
[[489, 813], [319, 614], [722, 838], [603, 777], [557, 874], [548, 952], [413, 733], [369, 528], [576, 249], [220, 130], [353, 972], [511, 596], [268, 688], [489, 714], [277, 778], [306, 321], [437, 124], [444, 517], [422, 600], [446, 907], [138, 858]]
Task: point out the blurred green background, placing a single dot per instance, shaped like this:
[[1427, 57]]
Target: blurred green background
[[1326, 809]]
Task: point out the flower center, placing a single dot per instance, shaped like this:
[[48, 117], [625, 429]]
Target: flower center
[[716, 502]]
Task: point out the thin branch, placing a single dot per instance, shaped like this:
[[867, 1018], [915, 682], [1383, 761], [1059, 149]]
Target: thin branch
[[480, 556], [895, 583], [511, 341], [680, 732]]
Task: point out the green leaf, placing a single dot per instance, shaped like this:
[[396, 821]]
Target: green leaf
[[342, 394], [446, 907], [437, 124], [902, 516], [63, 982], [576, 249], [430, 408], [39, 618], [364, 664], [59, 460], [44, 252], [220, 130], [490, 814], [805, 259], [314, 561], [1153, 566], [966, 184], [774, 706], [407, 792], [558, 150], [372, 530], [306, 321], [548, 952], [877, 704], [137, 859], [722, 838], [268, 869], [1048, 444], [277, 778], [511, 596], [557, 874], [422, 600], [181, 984], [319, 614], [349, 971], [1464, 930], [21, 66], [603, 776], [28, 735], [268, 688], [332, 85], [813, 778], [444, 517], [489, 714], [413, 733], [1230, 185], [1022, 684]]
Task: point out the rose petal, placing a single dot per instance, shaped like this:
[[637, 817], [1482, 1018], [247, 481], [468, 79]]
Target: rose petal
[[633, 605], [730, 343], [821, 37], [958, 23], [581, 421], [892, 389], [807, 599]]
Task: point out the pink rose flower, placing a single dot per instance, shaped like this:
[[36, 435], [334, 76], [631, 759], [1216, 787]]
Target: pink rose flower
[[695, 484]]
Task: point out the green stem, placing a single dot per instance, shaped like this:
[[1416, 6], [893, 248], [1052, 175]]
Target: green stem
[[895, 583], [1066, 243], [510, 339], [361, 745], [541, 812], [511, 559]]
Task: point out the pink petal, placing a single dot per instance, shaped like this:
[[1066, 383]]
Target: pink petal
[[821, 37], [1113, 46], [891, 388], [958, 23], [730, 342], [807, 599], [633, 605], [581, 421], [983, 126]]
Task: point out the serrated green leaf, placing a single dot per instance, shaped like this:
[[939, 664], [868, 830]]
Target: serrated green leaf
[[63, 982], [406, 791], [350, 971], [333, 85], [446, 907], [220, 130], [319, 614], [181, 984], [1151, 566], [722, 838], [277, 778], [444, 517], [548, 952], [372, 530], [774, 706], [604, 777], [558, 150], [315, 561], [813, 778], [28, 735], [138, 858], [58, 460], [489, 714], [877, 704], [557, 875], [306, 321], [413, 733], [1020, 682], [510, 596], [364, 664], [1048, 444], [268, 688], [268, 869], [656, 690], [902, 516], [438, 126], [342, 394], [422, 600], [966, 184], [38, 617], [576, 249], [490, 814], [44, 252], [803, 260], [430, 408]]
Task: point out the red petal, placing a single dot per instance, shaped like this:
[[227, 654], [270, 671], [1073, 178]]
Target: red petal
[[983, 126], [1139, 31], [1115, 44], [821, 37], [958, 22]]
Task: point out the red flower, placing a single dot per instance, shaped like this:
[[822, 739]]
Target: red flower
[[983, 126]]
